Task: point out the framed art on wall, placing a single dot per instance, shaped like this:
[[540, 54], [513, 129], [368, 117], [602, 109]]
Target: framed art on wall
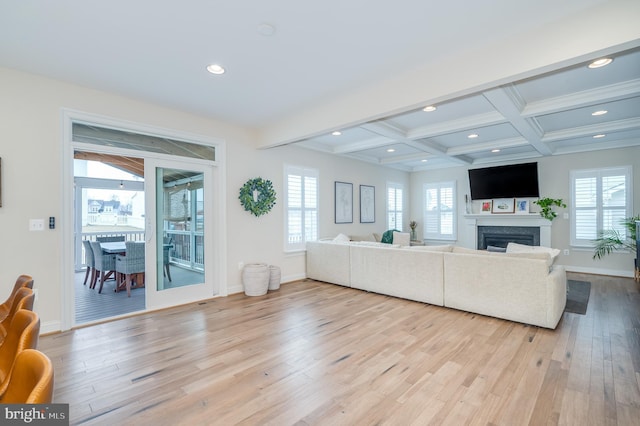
[[344, 202], [367, 204], [486, 207]]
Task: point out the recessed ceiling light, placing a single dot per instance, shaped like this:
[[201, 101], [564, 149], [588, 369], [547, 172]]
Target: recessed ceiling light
[[601, 112], [391, 150], [495, 150], [336, 133], [472, 136], [429, 108], [423, 161], [600, 63], [266, 29], [601, 135], [215, 69]]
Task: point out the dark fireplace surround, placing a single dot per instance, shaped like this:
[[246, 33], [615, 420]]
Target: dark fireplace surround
[[500, 236]]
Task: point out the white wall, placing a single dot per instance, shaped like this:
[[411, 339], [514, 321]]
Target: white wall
[[554, 182], [31, 151]]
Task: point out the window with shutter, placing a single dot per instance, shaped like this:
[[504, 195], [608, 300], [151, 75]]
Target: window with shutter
[[601, 199], [394, 206], [440, 216], [301, 212]]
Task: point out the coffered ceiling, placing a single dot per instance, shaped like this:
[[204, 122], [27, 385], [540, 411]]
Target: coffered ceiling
[[549, 114], [297, 71]]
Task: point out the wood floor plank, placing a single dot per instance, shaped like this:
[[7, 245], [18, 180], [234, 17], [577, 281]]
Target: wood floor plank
[[313, 353]]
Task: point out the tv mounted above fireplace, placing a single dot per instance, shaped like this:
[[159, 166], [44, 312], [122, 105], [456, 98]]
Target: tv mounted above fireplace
[[512, 181]]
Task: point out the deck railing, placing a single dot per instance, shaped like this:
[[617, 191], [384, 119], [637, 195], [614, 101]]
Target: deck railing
[[187, 251]]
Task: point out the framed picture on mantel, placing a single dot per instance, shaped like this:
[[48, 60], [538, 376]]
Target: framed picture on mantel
[[503, 205], [522, 206]]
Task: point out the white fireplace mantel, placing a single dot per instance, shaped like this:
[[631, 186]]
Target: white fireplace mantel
[[505, 219]]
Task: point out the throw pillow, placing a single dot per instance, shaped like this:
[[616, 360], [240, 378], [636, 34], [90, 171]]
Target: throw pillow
[[402, 238], [523, 248], [341, 238], [387, 236]]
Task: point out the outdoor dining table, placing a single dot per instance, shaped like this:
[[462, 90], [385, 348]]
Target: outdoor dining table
[[114, 247]]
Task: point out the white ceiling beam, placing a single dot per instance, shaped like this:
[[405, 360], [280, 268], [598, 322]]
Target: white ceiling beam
[[593, 129], [509, 103], [600, 95], [459, 125], [370, 143], [487, 146], [399, 136]]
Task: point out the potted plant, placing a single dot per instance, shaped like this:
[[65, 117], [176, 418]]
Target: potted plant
[[546, 207], [610, 240]]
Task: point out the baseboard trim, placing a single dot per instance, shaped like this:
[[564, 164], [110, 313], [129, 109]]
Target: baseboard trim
[[50, 327], [599, 271]]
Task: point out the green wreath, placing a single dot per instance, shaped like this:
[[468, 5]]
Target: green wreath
[[262, 200]]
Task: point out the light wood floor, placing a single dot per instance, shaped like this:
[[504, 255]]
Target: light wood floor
[[318, 354]]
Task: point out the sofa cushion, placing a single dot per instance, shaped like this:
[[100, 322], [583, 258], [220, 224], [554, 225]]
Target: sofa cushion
[[373, 244], [444, 248], [535, 255], [401, 238], [522, 248], [367, 237]]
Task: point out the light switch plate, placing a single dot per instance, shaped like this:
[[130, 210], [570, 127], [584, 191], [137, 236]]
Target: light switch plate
[[36, 225]]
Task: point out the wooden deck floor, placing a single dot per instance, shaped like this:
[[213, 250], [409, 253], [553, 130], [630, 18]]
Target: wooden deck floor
[[314, 353]]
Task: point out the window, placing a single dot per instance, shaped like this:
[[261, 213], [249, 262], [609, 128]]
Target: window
[[394, 206], [440, 211], [600, 199], [301, 213]]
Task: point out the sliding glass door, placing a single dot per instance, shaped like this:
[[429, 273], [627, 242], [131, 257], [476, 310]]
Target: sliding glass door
[[180, 232]]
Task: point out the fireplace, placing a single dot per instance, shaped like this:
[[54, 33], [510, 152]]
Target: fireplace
[[517, 224], [500, 236]]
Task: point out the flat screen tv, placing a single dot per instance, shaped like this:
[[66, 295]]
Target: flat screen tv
[[515, 180]]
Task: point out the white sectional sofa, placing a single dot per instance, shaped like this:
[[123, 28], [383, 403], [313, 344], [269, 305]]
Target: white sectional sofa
[[522, 287]]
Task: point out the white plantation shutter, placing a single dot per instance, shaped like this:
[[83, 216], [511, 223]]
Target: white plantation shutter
[[301, 213], [601, 199], [394, 206], [440, 211]]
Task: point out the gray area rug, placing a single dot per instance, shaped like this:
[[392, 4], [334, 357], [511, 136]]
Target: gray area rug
[[577, 296]]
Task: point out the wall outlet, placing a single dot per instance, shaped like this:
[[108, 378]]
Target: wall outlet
[[566, 252], [565, 215], [36, 225]]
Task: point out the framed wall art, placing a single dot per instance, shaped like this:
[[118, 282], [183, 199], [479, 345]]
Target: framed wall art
[[367, 204], [344, 202]]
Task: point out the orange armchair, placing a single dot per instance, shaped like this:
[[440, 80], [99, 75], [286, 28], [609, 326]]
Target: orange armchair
[[31, 380], [23, 300], [22, 334], [22, 281]]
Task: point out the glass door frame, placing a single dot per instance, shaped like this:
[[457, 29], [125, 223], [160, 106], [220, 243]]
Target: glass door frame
[[218, 272]]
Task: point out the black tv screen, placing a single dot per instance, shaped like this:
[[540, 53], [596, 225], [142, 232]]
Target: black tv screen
[[515, 180]]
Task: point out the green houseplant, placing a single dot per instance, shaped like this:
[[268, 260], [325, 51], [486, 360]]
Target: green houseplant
[[610, 240], [546, 207]]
